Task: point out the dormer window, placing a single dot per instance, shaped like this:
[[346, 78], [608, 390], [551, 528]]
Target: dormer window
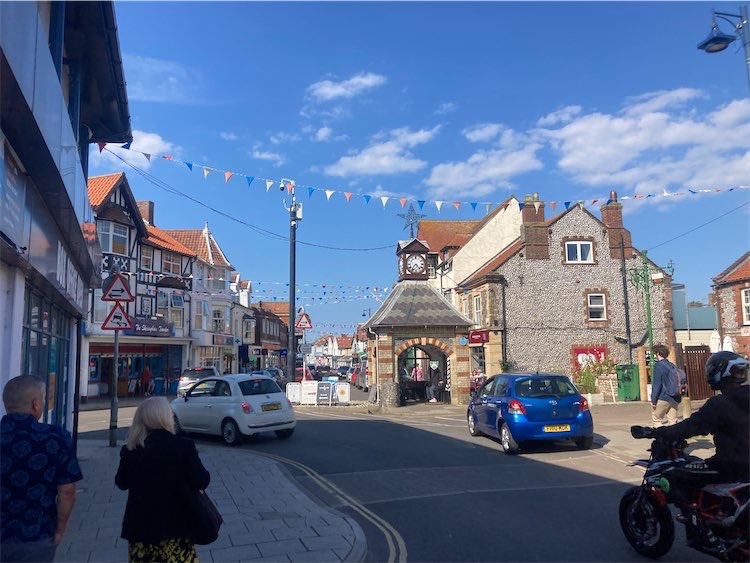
[[579, 252], [113, 237]]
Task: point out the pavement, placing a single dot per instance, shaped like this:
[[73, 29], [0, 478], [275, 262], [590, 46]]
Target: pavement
[[267, 516]]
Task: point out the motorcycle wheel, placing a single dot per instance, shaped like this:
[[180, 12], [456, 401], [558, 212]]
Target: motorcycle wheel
[[649, 528]]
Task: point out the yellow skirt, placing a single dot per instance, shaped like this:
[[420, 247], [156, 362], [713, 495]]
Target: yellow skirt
[[168, 551]]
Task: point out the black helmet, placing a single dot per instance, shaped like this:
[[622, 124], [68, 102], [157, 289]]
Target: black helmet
[[722, 366]]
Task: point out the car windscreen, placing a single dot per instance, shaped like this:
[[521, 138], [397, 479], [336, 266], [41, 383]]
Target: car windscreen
[[537, 387], [258, 387]]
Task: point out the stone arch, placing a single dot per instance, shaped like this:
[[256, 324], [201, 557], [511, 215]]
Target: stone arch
[[424, 341]]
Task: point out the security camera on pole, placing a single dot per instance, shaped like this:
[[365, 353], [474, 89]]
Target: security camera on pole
[[116, 289]]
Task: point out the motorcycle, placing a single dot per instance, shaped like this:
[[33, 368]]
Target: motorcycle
[[715, 514]]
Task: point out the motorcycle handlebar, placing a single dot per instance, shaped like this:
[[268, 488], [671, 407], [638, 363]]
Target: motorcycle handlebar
[[641, 432]]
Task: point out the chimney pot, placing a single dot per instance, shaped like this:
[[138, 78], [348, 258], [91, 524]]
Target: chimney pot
[[613, 196]]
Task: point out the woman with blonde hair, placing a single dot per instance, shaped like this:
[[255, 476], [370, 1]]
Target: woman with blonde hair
[[157, 468]]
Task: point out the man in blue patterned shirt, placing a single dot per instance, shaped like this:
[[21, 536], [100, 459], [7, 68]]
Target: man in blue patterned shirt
[[38, 472]]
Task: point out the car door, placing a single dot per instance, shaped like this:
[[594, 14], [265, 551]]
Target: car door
[[481, 402], [497, 404], [221, 406], [194, 414]]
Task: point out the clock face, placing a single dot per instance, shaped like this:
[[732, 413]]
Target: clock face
[[415, 264]]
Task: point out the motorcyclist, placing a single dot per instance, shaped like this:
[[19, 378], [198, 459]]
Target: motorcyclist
[[726, 416]]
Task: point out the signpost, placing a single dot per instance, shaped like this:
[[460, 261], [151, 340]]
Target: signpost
[[116, 289]]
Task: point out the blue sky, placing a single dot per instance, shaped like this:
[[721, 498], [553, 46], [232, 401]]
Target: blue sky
[[469, 102]]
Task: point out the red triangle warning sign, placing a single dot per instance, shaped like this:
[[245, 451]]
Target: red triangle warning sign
[[117, 319], [303, 322], [118, 290]]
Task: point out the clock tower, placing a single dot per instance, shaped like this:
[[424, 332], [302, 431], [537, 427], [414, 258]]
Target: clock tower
[[412, 260]]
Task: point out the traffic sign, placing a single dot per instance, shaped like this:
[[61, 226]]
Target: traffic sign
[[118, 290], [118, 319], [303, 323]]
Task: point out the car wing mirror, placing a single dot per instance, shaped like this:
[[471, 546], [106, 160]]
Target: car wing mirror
[[186, 397]]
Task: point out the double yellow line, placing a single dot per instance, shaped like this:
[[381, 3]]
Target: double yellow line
[[396, 544]]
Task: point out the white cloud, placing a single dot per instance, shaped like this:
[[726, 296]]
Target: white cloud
[[658, 141], [482, 133], [323, 134], [388, 154], [282, 137], [154, 80], [275, 158], [327, 90], [228, 136], [560, 116], [143, 142], [445, 108]]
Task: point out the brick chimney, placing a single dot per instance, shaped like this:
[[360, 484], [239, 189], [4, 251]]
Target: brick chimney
[[616, 232], [534, 228], [146, 209]]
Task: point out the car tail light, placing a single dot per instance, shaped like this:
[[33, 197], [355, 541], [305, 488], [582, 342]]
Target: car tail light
[[246, 408], [584, 405], [515, 407]]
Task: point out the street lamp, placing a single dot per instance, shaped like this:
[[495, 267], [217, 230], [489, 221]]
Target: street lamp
[[717, 40], [367, 313], [295, 215]]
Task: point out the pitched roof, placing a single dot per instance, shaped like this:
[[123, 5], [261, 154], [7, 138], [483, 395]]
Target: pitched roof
[[498, 260], [738, 271], [439, 234], [100, 187], [344, 342], [203, 245], [161, 239], [416, 303]]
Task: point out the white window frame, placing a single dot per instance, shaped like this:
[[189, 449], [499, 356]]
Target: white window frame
[[108, 231], [218, 281], [579, 244], [746, 306], [218, 320], [168, 262], [595, 307], [147, 258], [202, 315], [478, 310]]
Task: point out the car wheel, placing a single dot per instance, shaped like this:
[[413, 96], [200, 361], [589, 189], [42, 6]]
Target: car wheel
[[177, 428], [286, 433], [584, 442], [472, 424], [230, 433], [507, 441]]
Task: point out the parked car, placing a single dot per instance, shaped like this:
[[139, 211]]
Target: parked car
[[192, 375], [516, 408], [342, 371], [303, 373], [361, 381], [350, 375], [275, 373], [235, 406]]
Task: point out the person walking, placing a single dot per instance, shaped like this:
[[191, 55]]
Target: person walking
[[665, 395], [435, 381], [38, 473], [146, 382], [156, 522]]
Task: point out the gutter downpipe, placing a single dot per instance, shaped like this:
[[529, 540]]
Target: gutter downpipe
[[377, 375]]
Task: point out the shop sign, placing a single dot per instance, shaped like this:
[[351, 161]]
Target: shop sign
[[221, 340], [479, 336], [151, 327], [254, 350]]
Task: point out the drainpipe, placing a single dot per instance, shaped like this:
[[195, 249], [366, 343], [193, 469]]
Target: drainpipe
[[377, 375], [504, 329]]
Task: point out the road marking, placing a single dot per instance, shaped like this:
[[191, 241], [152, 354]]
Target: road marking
[[396, 544]]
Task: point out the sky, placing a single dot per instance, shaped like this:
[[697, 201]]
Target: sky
[[429, 102]]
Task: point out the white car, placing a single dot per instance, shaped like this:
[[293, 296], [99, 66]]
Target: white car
[[233, 407]]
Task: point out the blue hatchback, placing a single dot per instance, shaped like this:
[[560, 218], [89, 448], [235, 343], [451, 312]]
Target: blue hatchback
[[518, 407]]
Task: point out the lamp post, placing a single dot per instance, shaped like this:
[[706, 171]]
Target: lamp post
[[641, 277], [295, 215], [367, 313], [717, 40]]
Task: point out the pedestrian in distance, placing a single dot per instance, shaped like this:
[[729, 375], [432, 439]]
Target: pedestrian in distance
[[156, 523], [436, 379], [665, 393], [146, 382], [38, 473]]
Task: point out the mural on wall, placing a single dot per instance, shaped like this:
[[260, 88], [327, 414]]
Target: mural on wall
[[588, 355]]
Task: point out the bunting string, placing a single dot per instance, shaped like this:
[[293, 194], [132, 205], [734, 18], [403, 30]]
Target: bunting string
[[329, 194]]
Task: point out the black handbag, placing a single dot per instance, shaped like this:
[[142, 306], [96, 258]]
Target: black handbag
[[205, 518]]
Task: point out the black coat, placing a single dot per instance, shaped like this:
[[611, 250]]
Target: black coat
[[156, 477]]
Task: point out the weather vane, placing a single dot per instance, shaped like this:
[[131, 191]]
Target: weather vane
[[412, 218]]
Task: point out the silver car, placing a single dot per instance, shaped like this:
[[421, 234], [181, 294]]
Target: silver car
[[276, 373], [192, 375], [234, 407]]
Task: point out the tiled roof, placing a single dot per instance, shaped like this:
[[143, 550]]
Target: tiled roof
[[738, 271], [203, 245], [439, 234], [322, 341], [416, 303], [161, 239], [344, 342], [100, 187], [276, 307]]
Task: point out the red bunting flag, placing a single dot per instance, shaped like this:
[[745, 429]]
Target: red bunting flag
[[403, 201], [101, 146], [457, 204], [167, 157], [227, 175], [348, 196]]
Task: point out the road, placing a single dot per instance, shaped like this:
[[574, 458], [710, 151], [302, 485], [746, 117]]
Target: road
[[422, 489]]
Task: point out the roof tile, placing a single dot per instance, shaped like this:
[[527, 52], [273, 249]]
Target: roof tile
[[99, 187]]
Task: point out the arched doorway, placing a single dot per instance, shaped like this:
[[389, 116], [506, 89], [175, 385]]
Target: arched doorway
[[416, 364]]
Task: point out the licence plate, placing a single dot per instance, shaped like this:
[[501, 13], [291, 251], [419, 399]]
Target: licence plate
[[270, 407], [557, 428]]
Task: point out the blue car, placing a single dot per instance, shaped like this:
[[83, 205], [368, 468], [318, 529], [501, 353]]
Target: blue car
[[516, 408]]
